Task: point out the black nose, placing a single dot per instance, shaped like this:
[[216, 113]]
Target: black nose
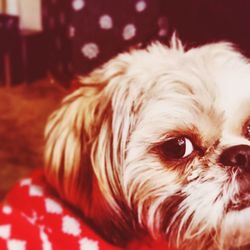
[[238, 156]]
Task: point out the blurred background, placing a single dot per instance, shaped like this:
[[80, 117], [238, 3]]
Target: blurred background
[[46, 44]]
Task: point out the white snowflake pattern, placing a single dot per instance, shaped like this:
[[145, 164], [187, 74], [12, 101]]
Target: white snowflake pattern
[[88, 244], [52, 206], [5, 231], [25, 182], [45, 240], [7, 209], [70, 226], [35, 190], [16, 245]]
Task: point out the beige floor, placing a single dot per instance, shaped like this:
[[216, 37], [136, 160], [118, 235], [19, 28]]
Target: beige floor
[[23, 113]]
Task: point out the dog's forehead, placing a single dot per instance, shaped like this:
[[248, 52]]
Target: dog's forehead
[[233, 99], [209, 84], [233, 90], [216, 74], [232, 85]]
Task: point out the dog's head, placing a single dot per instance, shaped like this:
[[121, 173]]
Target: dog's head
[[157, 141]]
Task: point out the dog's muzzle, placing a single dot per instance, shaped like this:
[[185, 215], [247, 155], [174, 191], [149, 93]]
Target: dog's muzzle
[[238, 158]]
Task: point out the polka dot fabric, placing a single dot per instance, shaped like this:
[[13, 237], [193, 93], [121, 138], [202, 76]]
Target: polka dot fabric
[[32, 218], [56, 20], [102, 29]]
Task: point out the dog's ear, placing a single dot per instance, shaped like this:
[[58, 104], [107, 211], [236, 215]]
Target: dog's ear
[[80, 136], [67, 134]]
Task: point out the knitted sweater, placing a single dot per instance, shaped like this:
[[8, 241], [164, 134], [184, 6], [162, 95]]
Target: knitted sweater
[[33, 218]]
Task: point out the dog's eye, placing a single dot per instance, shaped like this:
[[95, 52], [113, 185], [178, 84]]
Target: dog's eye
[[246, 130], [177, 148]]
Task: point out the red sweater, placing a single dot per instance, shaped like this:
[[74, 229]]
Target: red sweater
[[33, 218]]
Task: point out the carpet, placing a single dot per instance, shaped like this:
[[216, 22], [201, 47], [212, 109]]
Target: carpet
[[24, 110]]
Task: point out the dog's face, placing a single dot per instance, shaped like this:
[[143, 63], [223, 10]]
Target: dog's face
[[157, 142]]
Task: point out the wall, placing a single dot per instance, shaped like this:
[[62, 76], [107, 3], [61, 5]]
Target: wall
[[10, 6], [29, 12]]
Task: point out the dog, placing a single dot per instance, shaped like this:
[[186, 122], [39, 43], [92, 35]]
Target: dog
[[156, 144]]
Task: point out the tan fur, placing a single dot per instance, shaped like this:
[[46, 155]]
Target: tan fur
[[101, 145]]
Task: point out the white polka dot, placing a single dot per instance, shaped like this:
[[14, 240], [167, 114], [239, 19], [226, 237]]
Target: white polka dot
[[163, 26], [162, 32], [5, 231], [140, 6], [71, 31], [35, 190], [129, 31], [7, 209], [16, 245], [87, 244], [70, 226], [90, 50], [106, 22], [52, 206], [78, 4]]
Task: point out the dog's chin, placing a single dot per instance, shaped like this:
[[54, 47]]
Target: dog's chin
[[235, 228]]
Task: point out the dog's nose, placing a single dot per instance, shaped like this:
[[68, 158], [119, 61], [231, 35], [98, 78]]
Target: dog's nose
[[238, 156]]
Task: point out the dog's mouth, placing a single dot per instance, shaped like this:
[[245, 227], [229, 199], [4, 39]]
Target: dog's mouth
[[241, 199]]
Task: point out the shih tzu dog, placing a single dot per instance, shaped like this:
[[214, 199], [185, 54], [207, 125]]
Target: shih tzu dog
[[156, 143]]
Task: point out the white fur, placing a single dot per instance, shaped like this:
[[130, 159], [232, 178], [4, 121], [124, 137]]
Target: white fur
[[100, 145]]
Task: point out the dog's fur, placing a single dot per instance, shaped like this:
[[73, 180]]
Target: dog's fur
[[105, 146]]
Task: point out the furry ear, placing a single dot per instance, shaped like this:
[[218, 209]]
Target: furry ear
[[85, 147], [68, 135], [82, 137]]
